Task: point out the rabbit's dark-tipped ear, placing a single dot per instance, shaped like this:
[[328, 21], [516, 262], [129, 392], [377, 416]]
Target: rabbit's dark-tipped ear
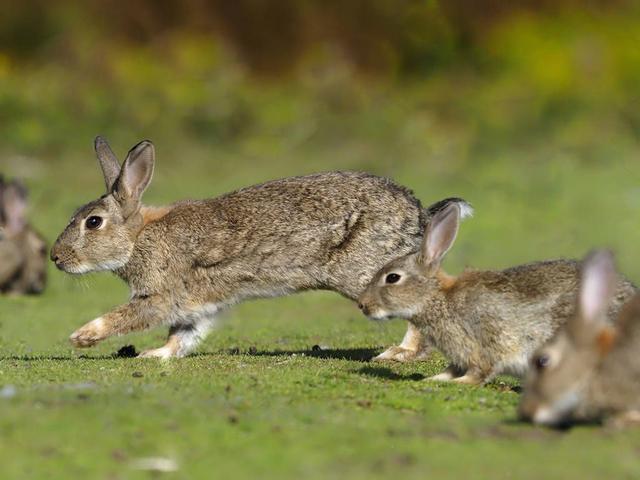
[[135, 176], [14, 207], [597, 287], [466, 209], [440, 235], [108, 162]]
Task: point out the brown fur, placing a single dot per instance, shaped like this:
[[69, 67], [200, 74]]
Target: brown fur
[[485, 322], [447, 282], [153, 214], [605, 340], [185, 262]]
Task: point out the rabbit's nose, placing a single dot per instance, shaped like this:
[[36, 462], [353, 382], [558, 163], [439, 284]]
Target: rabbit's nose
[[364, 308], [55, 258]]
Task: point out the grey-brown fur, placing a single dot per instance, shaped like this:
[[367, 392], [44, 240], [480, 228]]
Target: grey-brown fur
[[484, 322], [187, 261], [591, 369], [23, 251]]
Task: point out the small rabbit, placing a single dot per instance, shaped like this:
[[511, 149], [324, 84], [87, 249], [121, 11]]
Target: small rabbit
[[591, 369], [23, 251], [187, 261], [485, 322]]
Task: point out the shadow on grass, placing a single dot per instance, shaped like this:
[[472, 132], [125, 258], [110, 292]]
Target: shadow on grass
[[388, 374], [128, 351], [561, 427], [55, 358], [354, 354]]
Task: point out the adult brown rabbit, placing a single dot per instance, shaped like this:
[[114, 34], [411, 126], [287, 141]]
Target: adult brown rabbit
[[23, 251], [187, 261], [485, 322], [591, 369]]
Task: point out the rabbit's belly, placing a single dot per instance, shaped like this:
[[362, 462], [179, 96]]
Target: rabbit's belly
[[195, 315]]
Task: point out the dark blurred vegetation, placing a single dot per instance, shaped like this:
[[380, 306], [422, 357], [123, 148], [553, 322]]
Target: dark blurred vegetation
[[451, 77]]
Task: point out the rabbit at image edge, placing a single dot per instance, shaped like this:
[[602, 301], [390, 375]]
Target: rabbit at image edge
[[485, 322], [590, 371], [23, 251], [187, 261]]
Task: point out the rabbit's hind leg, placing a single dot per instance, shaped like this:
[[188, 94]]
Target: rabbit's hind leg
[[185, 335], [473, 376], [450, 373]]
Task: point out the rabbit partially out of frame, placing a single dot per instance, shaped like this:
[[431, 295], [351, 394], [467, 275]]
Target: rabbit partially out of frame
[[590, 371], [485, 322], [187, 261], [23, 251]]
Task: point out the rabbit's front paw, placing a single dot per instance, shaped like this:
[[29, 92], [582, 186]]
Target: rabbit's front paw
[[162, 353], [469, 379], [89, 334], [442, 377], [398, 354]]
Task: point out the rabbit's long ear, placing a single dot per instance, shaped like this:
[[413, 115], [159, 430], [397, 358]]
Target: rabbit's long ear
[[597, 287], [135, 176], [14, 206], [108, 162], [440, 235]]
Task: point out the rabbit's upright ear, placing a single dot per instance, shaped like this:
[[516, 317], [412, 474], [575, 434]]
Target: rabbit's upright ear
[[597, 287], [108, 162], [14, 206], [440, 235], [135, 176]]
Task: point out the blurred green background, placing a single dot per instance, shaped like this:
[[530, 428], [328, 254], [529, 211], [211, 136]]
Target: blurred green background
[[528, 109]]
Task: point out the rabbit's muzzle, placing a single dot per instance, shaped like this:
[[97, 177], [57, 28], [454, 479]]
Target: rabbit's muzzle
[[60, 256], [370, 307], [364, 308]]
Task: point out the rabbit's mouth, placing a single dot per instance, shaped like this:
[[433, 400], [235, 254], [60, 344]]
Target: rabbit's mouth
[[79, 268], [72, 268], [558, 412], [69, 263], [374, 313]]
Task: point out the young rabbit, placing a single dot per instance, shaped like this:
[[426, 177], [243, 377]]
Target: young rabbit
[[485, 322], [187, 261], [591, 369], [23, 251]]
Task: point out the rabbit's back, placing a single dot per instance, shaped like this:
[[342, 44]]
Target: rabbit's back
[[501, 317], [329, 231], [539, 293]]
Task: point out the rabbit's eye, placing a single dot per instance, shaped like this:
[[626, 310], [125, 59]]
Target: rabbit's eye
[[392, 278], [541, 362], [93, 222]]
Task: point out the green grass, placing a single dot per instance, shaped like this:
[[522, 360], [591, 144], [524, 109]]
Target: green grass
[[256, 401]]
